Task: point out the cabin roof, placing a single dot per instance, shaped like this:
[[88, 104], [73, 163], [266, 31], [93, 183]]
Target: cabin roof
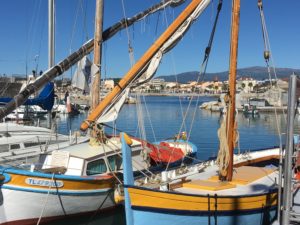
[[87, 150], [13, 127]]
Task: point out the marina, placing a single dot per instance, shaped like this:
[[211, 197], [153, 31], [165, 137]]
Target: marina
[[261, 129]]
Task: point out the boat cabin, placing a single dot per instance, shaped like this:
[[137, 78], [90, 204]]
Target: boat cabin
[[91, 159]]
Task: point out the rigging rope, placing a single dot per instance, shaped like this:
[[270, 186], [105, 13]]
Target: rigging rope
[[203, 66], [32, 30], [176, 79], [267, 56], [141, 125], [46, 200], [223, 158], [130, 48]]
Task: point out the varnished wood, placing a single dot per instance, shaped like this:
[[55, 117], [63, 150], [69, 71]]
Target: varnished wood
[[235, 20]]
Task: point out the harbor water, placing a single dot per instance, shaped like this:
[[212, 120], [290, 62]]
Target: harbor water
[[164, 117]]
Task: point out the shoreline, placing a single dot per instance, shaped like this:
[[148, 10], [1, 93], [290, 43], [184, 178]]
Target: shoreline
[[179, 94]]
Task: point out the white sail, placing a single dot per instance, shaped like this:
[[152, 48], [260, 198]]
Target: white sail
[[111, 114], [146, 73], [150, 69], [81, 77]]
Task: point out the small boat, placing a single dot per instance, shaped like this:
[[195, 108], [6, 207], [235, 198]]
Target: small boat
[[170, 153], [20, 144], [250, 109], [130, 100]]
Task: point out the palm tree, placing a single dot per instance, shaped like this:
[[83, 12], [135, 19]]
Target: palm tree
[[243, 85], [216, 88]]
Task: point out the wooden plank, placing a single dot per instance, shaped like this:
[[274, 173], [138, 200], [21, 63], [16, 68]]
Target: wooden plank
[[208, 185], [246, 174]]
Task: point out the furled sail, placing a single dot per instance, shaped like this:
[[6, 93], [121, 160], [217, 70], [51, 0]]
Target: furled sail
[[129, 21], [149, 71], [146, 67], [111, 113], [82, 75], [88, 47], [44, 98]]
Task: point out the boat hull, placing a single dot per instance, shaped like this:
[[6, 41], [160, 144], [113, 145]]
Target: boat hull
[[25, 197], [163, 218], [175, 208]]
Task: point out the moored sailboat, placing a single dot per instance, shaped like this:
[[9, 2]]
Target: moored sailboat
[[234, 189]]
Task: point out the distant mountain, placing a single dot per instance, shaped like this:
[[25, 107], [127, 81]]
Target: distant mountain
[[257, 72]]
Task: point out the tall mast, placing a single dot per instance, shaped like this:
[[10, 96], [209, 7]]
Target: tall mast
[[235, 21], [97, 54], [51, 54]]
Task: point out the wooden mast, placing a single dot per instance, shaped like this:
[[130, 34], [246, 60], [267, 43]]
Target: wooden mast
[[235, 20], [96, 79], [140, 64], [97, 54]]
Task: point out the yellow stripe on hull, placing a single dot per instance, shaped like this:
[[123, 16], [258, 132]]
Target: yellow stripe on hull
[[173, 201], [78, 185]]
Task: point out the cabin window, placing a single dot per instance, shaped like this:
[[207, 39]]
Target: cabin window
[[96, 167], [115, 162], [31, 144], [14, 146]]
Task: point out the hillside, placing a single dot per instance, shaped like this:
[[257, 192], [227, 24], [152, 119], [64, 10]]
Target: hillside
[[258, 73]]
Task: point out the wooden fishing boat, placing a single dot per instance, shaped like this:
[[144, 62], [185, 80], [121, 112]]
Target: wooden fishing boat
[[65, 182], [195, 195], [234, 189]]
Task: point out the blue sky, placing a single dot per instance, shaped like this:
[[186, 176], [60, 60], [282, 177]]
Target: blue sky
[[23, 40]]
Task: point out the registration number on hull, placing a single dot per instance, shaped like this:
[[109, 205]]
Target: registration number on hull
[[44, 183]]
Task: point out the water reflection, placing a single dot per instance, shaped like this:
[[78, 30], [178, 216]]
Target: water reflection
[[163, 118]]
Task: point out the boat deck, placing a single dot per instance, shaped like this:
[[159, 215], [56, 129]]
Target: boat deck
[[246, 180]]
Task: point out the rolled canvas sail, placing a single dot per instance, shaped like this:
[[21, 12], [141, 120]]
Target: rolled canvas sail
[[149, 71], [111, 114], [146, 73]]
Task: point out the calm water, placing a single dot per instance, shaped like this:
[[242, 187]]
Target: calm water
[[163, 118]]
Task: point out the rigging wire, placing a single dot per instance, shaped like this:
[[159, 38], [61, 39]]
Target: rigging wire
[[203, 66], [141, 127], [267, 56], [73, 32], [84, 12], [176, 79], [141, 122], [84, 33], [149, 118], [32, 31], [130, 49], [40, 44]]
